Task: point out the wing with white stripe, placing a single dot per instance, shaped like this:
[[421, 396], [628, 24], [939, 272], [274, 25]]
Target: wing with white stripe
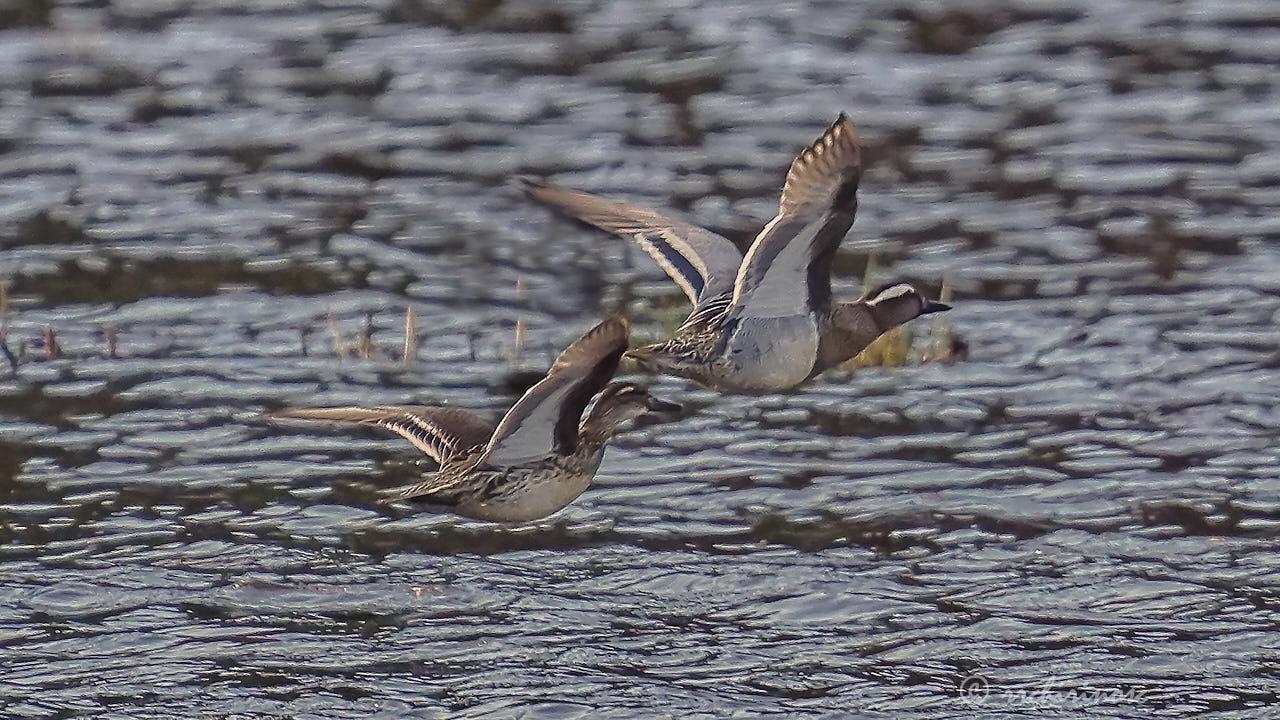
[[701, 262], [438, 432], [787, 270]]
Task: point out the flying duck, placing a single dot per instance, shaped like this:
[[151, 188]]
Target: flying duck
[[542, 454], [766, 321]]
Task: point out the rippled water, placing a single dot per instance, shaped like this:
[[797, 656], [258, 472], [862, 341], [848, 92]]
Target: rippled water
[[213, 206]]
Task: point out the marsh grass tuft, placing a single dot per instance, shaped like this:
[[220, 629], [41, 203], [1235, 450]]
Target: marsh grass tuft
[[52, 348], [362, 346], [410, 354], [4, 327], [110, 339], [520, 337], [516, 351], [364, 340], [944, 345], [335, 333]]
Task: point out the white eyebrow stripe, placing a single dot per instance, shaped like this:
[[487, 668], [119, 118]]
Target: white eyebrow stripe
[[891, 292]]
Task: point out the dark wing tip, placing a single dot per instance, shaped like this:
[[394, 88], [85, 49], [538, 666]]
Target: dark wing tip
[[598, 353], [527, 182], [621, 325], [304, 413], [607, 336], [825, 172], [614, 330], [840, 136], [577, 205], [530, 186]]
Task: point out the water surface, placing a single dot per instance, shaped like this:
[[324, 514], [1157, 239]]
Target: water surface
[[214, 207]]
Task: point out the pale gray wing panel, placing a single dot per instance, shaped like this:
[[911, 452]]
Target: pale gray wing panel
[[787, 270], [772, 279], [528, 431]]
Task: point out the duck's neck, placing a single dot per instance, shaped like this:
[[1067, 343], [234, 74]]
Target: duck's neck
[[596, 429], [850, 328]]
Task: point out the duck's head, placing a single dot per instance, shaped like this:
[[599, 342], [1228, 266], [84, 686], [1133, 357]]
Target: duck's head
[[619, 402], [897, 303]]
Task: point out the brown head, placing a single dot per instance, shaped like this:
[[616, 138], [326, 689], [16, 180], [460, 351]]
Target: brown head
[[896, 303], [855, 325], [617, 403]]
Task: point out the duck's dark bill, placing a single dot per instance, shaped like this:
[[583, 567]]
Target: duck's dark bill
[[933, 307]]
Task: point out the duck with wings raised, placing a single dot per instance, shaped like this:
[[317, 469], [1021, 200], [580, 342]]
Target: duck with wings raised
[[765, 321], [541, 456]]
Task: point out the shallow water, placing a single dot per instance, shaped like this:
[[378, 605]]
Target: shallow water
[[1078, 519]]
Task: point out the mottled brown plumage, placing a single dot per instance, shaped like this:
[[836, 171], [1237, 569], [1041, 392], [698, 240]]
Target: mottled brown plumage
[[539, 457]]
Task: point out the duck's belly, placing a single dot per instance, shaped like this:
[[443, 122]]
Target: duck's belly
[[524, 493], [763, 354]]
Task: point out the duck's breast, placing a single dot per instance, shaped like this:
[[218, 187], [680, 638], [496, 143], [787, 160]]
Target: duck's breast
[[532, 492], [763, 354]]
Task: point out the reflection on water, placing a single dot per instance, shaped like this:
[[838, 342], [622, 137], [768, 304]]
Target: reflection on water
[[207, 212]]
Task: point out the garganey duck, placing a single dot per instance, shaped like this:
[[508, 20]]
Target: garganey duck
[[767, 321], [540, 457]]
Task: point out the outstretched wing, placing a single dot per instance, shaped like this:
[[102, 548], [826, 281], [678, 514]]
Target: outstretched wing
[[701, 262], [545, 419], [438, 432], [787, 270]]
